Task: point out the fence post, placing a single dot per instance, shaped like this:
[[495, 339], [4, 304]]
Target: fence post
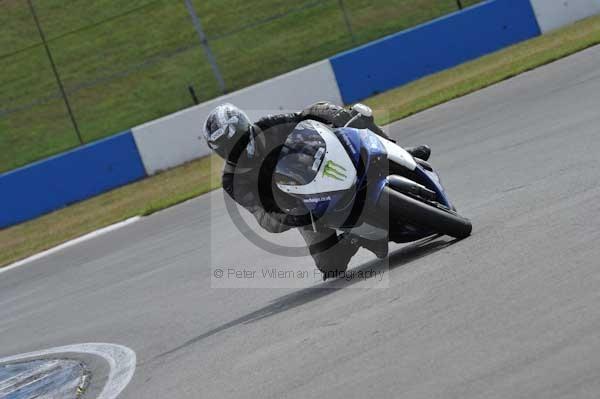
[[205, 45], [193, 94], [55, 71], [347, 20]]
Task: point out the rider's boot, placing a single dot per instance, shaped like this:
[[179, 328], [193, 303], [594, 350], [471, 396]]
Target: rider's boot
[[422, 152], [379, 247], [333, 272], [334, 262]]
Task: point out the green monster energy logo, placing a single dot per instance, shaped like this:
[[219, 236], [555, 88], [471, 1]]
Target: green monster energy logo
[[334, 170]]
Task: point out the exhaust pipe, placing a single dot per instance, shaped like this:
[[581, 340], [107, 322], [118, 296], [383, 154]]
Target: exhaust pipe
[[408, 186]]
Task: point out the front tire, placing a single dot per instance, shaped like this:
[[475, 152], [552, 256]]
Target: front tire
[[412, 211]]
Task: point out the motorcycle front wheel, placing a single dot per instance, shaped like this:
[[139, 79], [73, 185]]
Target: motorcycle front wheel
[[409, 210]]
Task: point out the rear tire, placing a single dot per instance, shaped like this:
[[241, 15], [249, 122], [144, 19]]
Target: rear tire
[[412, 211]]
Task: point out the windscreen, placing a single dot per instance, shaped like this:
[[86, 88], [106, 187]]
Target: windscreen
[[301, 156]]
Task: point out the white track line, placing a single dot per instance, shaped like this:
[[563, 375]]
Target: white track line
[[70, 243], [121, 361]]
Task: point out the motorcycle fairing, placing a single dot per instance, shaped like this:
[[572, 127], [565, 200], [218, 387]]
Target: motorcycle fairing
[[333, 169]]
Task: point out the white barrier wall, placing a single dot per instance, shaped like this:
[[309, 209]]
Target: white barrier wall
[[552, 14], [174, 139]]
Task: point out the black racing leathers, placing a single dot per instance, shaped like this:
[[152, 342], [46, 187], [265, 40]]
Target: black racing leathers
[[250, 184]]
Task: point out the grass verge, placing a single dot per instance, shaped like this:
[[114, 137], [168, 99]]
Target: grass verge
[[141, 198], [195, 178], [485, 71]]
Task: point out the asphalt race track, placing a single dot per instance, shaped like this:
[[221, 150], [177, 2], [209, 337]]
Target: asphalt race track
[[511, 312]]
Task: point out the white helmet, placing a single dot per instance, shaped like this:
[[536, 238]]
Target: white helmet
[[228, 130]]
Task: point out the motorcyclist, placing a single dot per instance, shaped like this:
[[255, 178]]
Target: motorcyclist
[[251, 151]]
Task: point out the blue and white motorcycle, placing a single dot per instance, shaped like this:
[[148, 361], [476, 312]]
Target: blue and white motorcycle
[[356, 181]]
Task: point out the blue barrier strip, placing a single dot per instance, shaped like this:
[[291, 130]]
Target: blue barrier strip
[[53, 183], [432, 47]]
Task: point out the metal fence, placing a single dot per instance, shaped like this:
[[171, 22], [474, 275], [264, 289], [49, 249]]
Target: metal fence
[[74, 71]]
